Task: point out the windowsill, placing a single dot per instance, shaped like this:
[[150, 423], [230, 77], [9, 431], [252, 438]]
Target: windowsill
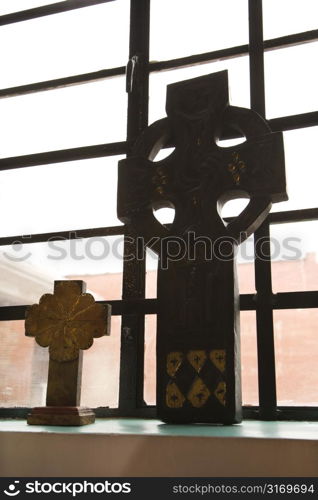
[[140, 447], [253, 429]]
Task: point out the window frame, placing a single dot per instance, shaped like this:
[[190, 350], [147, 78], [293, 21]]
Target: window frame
[[134, 306]]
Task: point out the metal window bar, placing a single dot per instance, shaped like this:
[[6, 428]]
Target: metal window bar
[[263, 278], [282, 412], [142, 306], [302, 215], [47, 10], [208, 57], [134, 306], [280, 124], [64, 155], [134, 272]]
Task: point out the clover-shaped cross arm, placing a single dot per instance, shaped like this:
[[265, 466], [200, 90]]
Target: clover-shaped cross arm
[[67, 321]]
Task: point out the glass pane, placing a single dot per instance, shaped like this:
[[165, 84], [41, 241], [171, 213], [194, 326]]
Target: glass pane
[[296, 350], [283, 17], [291, 80], [150, 359], [29, 271], [100, 380], [245, 266], [8, 6], [295, 257], [301, 169], [23, 367], [245, 251], [151, 274], [238, 69], [184, 27], [81, 115], [74, 42], [249, 358], [59, 197]]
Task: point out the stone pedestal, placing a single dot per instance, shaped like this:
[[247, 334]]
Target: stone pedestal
[[61, 415]]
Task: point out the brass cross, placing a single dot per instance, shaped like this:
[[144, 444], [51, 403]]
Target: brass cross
[[67, 323]]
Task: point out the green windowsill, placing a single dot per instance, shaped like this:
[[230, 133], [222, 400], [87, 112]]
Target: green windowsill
[[250, 429]]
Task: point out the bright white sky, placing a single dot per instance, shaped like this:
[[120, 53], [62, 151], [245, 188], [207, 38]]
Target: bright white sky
[[83, 194]]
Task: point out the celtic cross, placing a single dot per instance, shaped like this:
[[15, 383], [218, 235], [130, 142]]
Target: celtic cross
[[198, 353]]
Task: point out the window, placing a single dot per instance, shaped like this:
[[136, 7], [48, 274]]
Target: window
[[66, 120]]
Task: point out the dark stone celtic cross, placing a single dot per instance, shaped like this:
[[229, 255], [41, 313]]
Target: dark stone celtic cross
[[198, 354]]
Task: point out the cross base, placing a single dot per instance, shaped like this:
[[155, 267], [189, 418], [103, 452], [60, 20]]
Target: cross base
[[61, 415]]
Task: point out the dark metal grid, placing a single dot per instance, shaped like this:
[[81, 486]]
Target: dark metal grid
[[265, 324], [133, 324], [134, 306], [285, 123], [142, 306], [47, 10], [240, 50], [63, 235], [64, 155], [117, 148], [58, 83], [263, 279], [302, 215], [217, 55], [282, 412]]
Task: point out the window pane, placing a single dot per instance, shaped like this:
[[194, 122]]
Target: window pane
[[150, 359], [100, 380], [238, 69], [9, 6], [59, 197], [295, 257], [301, 169], [23, 367], [184, 27], [249, 358], [69, 43], [245, 266], [245, 251], [82, 115], [29, 271], [283, 17], [151, 274], [291, 80], [296, 350]]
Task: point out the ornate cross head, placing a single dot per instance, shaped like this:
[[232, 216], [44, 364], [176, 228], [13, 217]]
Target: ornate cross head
[[67, 321], [199, 176]]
